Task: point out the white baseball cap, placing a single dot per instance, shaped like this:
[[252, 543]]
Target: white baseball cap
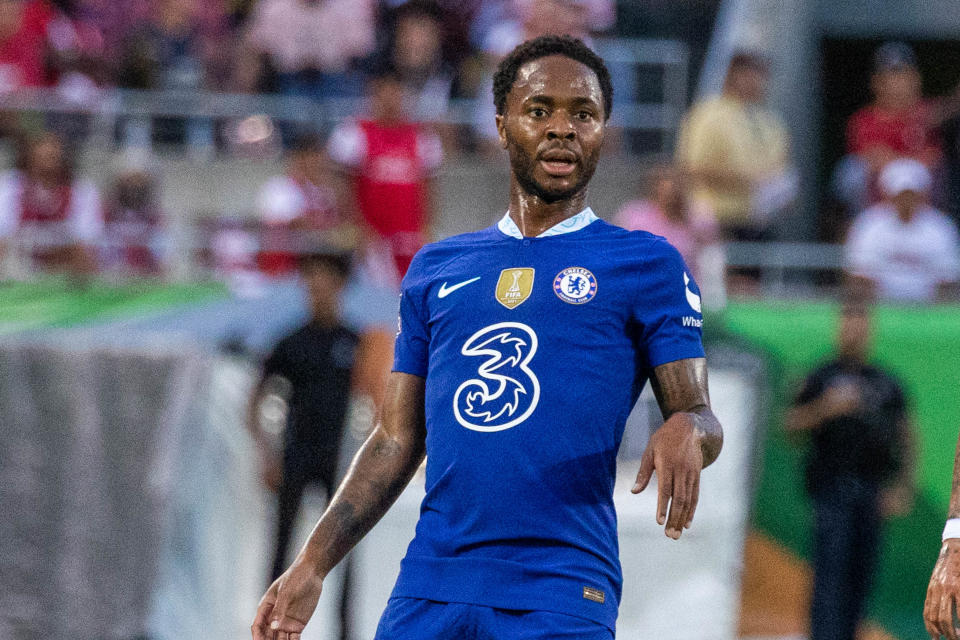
[[904, 174]]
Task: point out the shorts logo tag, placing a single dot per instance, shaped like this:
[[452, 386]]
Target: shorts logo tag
[[589, 593]]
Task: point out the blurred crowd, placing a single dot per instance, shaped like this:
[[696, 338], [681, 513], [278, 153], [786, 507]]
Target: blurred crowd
[[311, 48], [369, 183]]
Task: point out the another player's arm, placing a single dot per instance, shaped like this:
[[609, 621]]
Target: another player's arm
[[690, 439], [943, 593], [379, 473]]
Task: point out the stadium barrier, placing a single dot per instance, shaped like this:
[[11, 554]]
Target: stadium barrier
[[921, 346], [135, 441]]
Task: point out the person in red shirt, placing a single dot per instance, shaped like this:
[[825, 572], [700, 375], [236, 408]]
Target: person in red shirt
[[48, 215], [23, 42], [898, 123], [391, 161], [305, 200]]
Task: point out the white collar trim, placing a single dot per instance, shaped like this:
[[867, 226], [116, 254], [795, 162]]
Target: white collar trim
[[508, 227]]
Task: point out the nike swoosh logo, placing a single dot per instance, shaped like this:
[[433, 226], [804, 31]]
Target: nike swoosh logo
[[445, 290]]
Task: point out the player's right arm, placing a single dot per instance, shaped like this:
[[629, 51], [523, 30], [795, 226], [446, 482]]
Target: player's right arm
[[379, 473], [943, 593]]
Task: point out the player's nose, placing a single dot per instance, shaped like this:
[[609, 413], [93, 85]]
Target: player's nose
[[560, 126]]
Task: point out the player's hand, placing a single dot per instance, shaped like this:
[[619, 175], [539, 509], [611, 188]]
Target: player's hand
[[943, 593], [287, 605], [674, 452]]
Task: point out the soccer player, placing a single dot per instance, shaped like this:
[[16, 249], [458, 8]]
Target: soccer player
[[521, 350], [943, 594]]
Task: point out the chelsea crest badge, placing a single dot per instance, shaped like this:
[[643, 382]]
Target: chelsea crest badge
[[575, 285]]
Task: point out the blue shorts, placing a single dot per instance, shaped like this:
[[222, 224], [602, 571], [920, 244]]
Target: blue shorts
[[415, 619]]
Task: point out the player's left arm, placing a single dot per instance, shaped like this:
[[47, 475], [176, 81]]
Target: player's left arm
[[943, 593], [690, 439]]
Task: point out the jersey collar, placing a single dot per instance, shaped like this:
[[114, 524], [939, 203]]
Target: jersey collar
[[508, 227]]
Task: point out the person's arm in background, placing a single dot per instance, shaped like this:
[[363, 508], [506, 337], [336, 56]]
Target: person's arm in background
[[833, 402], [86, 226], [896, 498], [862, 260], [380, 471], [372, 368], [943, 592], [948, 288], [430, 150], [347, 149], [9, 220], [271, 470], [689, 440]]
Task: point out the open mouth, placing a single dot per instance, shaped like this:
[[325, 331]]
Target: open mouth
[[558, 163]]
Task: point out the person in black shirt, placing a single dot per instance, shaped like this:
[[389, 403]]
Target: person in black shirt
[[322, 362], [859, 471]]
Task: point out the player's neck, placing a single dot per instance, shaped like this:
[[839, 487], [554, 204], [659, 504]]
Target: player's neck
[[533, 216]]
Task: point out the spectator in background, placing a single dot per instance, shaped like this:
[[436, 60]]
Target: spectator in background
[[859, 472], [46, 212], [501, 26], [514, 21], [321, 364], [307, 198], [135, 231], [22, 45], [180, 48], [391, 162], [903, 249], [416, 52], [736, 152], [898, 123], [309, 44], [668, 212]]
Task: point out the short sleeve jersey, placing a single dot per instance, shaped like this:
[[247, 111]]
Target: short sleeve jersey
[[534, 351], [318, 362], [866, 444]]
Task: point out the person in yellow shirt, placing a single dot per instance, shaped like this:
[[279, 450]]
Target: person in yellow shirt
[[735, 152]]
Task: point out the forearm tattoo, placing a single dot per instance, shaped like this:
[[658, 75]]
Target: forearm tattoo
[[954, 510], [681, 387], [378, 475]]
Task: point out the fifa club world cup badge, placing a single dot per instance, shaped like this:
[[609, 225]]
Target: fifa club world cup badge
[[575, 285], [514, 286]]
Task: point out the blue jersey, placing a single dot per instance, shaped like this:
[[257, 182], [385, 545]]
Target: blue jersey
[[534, 351]]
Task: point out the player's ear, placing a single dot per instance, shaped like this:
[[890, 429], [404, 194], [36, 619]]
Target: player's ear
[[501, 132]]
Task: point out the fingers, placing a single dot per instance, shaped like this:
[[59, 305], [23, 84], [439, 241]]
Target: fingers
[[260, 622], [945, 617], [645, 473], [694, 499], [664, 493], [930, 611], [680, 503]]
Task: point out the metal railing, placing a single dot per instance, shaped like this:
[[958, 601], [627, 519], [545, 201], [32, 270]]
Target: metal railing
[[130, 112], [194, 252]]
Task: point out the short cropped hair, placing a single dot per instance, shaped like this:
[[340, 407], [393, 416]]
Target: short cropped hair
[[542, 47]]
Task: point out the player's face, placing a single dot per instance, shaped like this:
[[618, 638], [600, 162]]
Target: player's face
[[553, 127]]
